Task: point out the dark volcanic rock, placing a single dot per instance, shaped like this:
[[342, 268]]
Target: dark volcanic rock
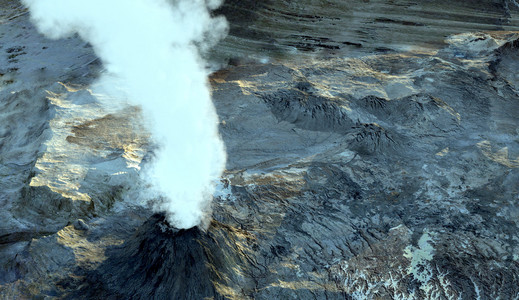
[[308, 111], [347, 27], [158, 262]]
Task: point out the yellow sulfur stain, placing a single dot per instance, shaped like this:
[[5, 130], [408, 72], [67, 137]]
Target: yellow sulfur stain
[[500, 156], [71, 88], [247, 87], [305, 285], [88, 254], [443, 152]]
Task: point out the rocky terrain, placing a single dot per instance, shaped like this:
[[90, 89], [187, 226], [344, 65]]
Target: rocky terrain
[[373, 153]]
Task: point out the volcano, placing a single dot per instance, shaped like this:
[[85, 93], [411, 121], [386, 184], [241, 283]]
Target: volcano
[[372, 153]]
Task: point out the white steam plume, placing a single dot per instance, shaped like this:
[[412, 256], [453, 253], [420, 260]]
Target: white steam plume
[[151, 51]]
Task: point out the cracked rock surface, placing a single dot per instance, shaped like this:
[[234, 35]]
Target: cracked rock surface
[[383, 175]]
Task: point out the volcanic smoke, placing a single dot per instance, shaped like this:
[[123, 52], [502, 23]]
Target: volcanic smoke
[[151, 50]]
